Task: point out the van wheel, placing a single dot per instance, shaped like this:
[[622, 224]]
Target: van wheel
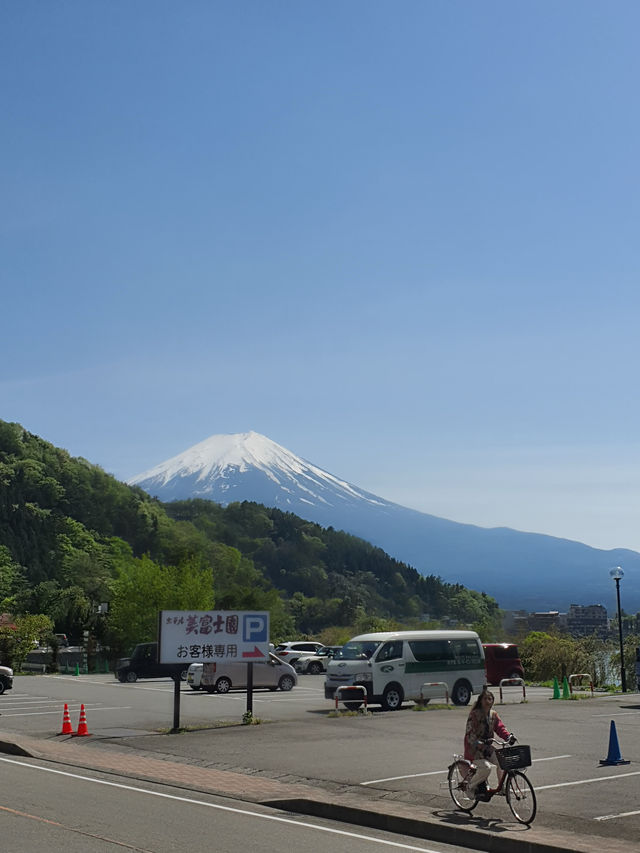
[[183, 675], [515, 675], [286, 682], [314, 668], [223, 685], [352, 706], [2, 686], [131, 677], [461, 693], [392, 698]]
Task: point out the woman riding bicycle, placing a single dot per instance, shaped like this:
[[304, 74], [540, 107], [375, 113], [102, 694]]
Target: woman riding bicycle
[[482, 724]]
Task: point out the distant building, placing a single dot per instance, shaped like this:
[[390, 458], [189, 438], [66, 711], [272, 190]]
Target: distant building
[[550, 620], [586, 620]]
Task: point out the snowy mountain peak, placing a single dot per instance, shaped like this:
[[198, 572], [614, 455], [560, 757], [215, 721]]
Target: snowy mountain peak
[[221, 466]]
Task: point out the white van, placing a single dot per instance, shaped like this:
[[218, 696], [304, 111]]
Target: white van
[[394, 665]]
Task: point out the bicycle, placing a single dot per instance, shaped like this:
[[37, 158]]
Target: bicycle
[[520, 795]]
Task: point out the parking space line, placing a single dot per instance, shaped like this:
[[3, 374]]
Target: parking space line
[[57, 712], [586, 781], [614, 816], [435, 772]]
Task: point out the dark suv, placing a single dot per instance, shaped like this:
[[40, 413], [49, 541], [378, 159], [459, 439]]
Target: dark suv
[[143, 663]]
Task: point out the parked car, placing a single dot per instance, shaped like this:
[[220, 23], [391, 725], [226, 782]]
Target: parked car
[[6, 678], [291, 651], [143, 663], [502, 660], [316, 663], [223, 676]]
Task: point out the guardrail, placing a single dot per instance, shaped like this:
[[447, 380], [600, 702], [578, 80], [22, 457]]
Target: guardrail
[[435, 684], [512, 682], [579, 676], [346, 688]]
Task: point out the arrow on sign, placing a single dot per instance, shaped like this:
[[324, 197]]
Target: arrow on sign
[[256, 653]]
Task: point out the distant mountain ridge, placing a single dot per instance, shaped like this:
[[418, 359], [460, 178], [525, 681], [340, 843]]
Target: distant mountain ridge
[[521, 570]]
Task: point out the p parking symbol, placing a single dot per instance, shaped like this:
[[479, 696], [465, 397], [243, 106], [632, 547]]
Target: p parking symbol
[[255, 627]]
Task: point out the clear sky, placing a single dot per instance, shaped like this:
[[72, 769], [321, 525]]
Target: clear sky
[[400, 239]]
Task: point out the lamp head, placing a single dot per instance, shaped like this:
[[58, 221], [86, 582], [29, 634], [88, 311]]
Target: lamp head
[[616, 573]]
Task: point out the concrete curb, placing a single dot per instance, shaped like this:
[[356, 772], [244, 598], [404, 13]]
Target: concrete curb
[[451, 830]]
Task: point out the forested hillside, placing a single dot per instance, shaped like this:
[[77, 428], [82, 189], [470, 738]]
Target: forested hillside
[[72, 536]]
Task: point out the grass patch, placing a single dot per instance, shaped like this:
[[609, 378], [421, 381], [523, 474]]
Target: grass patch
[[249, 720], [431, 706], [361, 713]]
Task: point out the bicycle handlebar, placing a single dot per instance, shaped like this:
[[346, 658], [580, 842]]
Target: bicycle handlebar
[[498, 742]]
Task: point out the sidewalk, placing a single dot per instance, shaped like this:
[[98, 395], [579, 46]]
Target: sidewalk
[[362, 809]]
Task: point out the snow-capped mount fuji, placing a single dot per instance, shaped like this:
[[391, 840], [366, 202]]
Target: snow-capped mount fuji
[[521, 570], [250, 467]]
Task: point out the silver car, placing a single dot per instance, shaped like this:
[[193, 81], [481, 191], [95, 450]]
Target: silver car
[[223, 676]]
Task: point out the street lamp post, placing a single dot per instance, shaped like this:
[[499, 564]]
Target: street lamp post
[[616, 574]]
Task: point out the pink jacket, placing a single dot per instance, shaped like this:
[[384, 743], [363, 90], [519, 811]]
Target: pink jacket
[[479, 727]]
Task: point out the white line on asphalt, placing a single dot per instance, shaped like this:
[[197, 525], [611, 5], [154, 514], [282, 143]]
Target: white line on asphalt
[[301, 824], [408, 776], [587, 781], [80, 680], [435, 772], [58, 703], [49, 713], [614, 816]]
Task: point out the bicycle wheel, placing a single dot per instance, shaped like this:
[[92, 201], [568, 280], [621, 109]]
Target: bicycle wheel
[[521, 797], [460, 795]]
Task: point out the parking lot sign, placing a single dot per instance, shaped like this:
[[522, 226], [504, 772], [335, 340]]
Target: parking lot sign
[[206, 636]]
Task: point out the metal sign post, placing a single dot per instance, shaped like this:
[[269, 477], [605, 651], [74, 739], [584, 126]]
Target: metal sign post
[[250, 688], [176, 705]]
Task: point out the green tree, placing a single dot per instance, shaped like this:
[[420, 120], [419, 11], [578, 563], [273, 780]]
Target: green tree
[[142, 588], [18, 639]]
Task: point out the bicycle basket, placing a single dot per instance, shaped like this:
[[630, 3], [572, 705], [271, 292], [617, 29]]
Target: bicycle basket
[[513, 757]]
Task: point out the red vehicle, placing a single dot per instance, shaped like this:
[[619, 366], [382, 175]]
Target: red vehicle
[[502, 660]]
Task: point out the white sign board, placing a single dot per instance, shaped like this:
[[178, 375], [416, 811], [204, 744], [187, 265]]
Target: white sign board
[[205, 636]]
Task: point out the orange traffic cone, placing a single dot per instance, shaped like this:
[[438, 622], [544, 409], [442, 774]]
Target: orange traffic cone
[[83, 730], [67, 728]]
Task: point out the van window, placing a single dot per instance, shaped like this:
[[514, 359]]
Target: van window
[[357, 651], [390, 651], [466, 651], [428, 651], [458, 651]]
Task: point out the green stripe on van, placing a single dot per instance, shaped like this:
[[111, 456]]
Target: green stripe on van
[[439, 666]]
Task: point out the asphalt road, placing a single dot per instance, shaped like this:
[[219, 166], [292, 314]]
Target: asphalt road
[[401, 755], [49, 807]]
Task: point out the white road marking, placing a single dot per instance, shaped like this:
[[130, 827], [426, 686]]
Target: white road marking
[[614, 816], [436, 772], [587, 781], [276, 818], [49, 713]]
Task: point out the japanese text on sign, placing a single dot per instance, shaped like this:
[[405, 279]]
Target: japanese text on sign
[[198, 635]]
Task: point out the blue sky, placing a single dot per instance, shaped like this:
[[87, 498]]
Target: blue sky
[[398, 239]]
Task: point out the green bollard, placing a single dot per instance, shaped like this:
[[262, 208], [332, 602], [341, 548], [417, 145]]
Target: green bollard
[[77, 669], [565, 689], [556, 689]]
